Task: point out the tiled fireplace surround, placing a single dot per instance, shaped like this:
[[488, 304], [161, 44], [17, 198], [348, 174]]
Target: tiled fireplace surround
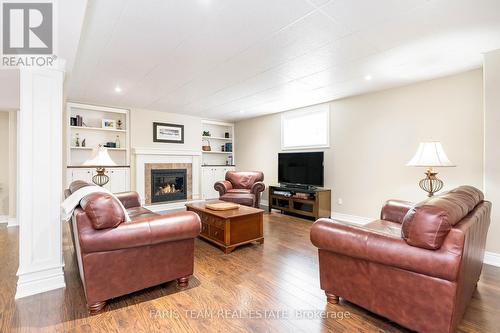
[[147, 159], [159, 166]]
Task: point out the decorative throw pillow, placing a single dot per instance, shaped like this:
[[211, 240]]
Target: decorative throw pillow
[[426, 226], [103, 210]]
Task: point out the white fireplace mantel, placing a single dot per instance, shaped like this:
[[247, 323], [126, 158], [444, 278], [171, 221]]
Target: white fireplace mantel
[[159, 155]]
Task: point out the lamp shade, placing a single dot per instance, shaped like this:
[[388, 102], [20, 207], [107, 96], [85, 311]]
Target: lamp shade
[[100, 158], [430, 154]]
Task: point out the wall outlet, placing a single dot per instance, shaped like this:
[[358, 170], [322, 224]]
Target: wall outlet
[[339, 201]]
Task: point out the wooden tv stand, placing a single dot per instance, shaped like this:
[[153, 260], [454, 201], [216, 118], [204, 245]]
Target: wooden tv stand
[[313, 203]]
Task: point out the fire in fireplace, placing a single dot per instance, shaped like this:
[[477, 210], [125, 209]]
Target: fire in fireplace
[[167, 188], [168, 185]]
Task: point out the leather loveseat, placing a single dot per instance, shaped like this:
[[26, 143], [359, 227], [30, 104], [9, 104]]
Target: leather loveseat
[[116, 257], [242, 187], [418, 265]]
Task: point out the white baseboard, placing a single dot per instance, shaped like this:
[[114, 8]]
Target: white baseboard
[[351, 218], [4, 219], [264, 204], [12, 222], [39, 282], [492, 258]]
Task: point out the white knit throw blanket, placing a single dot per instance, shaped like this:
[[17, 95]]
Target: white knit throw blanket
[[71, 202]]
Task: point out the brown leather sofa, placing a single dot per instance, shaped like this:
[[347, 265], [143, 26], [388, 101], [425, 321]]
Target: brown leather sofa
[[242, 187], [116, 257], [418, 265]]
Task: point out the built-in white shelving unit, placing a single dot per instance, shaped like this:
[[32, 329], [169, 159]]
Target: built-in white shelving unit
[[217, 152], [221, 136], [216, 138], [94, 135], [91, 148], [216, 162], [98, 129]]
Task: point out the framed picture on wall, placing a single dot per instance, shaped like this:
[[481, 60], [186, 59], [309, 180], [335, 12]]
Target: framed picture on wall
[[168, 133]]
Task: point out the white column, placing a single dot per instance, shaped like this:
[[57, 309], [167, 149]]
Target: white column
[[12, 168], [40, 181], [491, 71]]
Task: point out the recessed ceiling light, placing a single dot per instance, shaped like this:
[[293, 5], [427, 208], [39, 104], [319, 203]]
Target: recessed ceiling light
[[368, 77], [118, 89]]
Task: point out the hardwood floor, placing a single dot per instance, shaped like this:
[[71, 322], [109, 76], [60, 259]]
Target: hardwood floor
[[272, 287]]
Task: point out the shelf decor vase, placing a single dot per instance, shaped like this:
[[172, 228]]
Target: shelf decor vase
[[206, 147]]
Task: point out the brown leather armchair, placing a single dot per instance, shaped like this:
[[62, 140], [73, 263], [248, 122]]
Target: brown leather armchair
[[117, 257], [418, 265], [242, 187]]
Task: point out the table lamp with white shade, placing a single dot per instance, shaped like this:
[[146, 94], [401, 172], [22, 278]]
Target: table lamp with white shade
[[100, 160], [429, 155]]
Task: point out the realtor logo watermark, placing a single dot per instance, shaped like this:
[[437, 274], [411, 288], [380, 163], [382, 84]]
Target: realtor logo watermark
[[28, 34]]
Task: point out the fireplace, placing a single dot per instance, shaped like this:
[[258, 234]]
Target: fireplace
[[168, 185]]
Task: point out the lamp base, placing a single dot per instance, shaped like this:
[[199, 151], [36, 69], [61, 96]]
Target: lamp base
[[431, 184], [100, 179]]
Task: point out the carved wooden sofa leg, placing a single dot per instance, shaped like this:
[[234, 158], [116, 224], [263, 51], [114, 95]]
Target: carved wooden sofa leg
[[331, 298], [96, 307], [183, 282]]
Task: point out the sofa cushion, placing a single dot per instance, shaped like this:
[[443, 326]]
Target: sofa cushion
[[137, 213], [239, 190], [246, 199], [384, 227], [427, 224], [458, 202], [129, 199], [143, 232], [244, 179], [103, 210]]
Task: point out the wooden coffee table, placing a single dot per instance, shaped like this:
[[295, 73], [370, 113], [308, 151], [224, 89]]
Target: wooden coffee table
[[229, 228]]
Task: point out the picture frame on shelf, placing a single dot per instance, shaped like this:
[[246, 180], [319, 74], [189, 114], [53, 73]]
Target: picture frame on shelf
[[108, 124], [168, 133]]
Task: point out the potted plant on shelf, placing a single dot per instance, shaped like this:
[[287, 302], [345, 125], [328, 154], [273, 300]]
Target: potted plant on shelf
[[206, 133]]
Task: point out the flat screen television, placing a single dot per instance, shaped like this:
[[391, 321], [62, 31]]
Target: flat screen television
[[301, 168]]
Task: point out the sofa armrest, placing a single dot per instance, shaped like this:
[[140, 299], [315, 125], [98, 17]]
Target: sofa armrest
[[385, 249], [395, 210], [257, 187], [129, 199], [223, 186], [142, 232]]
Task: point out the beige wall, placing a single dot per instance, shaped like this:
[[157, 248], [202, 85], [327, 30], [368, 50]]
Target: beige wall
[[4, 163], [374, 135], [492, 144], [141, 132]]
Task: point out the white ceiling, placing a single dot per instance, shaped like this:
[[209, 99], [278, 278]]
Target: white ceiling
[[70, 16], [234, 59]]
